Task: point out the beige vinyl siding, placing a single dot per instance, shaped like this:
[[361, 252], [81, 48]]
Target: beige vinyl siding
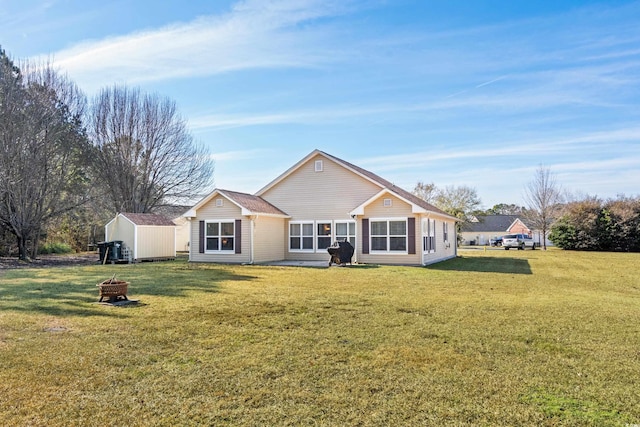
[[313, 196], [183, 234], [270, 242], [398, 209], [444, 250], [211, 212], [155, 242], [327, 195]]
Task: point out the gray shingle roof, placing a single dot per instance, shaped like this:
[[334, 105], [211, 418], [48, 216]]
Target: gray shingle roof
[[255, 204], [490, 223], [148, 219]]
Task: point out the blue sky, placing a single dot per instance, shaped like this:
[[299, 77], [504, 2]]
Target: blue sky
[[454, 92]]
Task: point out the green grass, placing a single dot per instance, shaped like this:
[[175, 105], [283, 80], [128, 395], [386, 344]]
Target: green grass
[[490, 338]]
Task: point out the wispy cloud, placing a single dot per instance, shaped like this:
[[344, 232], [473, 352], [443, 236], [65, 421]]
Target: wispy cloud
[[624, 139], [253, 34]]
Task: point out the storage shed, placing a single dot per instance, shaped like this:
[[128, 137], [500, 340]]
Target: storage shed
[[145, 236]]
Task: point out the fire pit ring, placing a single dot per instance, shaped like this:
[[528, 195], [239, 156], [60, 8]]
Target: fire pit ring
[[113, 289]]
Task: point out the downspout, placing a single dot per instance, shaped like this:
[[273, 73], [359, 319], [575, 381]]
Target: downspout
[[190, 237], [251, 237], [422, 238], [355, 253]]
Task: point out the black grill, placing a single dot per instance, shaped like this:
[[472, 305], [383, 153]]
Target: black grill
[[340, 252]]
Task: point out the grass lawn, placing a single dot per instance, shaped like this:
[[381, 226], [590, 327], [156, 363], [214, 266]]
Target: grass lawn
[[490, 338]]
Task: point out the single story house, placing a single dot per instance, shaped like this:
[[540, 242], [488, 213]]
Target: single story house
[[145, 236], [483, 228], [317, 201]]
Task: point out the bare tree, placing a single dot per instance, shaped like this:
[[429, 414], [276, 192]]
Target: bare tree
[[145, 157], [43, 147], [426, 192], [543, 197]]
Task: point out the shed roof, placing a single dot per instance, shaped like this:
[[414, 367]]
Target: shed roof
[[147, 219]]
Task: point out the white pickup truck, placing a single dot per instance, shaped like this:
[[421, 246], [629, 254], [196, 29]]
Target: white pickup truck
[[518, 241]]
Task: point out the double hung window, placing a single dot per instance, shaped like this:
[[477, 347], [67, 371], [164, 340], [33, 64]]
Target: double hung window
[[388, 235], [324, 234], [219, 236], [301, 236], [317, 236], [346, 231]]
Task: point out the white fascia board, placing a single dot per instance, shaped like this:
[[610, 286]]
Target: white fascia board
[[414, 208], [247, 212]]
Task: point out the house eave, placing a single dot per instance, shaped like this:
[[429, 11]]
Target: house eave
[[359, 210]]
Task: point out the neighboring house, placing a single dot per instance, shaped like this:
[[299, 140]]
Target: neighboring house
[[146, 236], [486, 227], [320, 200]]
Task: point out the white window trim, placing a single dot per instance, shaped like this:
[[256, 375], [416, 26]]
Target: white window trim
[[316, 236], [387, 203], [348, 236], [220, 251], [388, 251], [429, 231], [318, 166], [313, 235], [445, 231]]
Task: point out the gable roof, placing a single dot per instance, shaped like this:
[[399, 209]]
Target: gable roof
[[253, 204], [250, 204], [490, 223], [147, 219], [370, 176]]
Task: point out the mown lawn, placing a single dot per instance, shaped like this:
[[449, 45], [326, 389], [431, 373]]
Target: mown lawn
[[490, 338]]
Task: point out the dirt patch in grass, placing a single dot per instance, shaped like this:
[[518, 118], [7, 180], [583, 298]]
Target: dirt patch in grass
[[47, 261]]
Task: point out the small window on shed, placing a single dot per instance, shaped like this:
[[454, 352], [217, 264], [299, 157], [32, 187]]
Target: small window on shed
[[318, 166], [219, 203], [387, 203]]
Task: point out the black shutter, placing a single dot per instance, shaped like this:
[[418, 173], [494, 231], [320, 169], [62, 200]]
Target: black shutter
[[365, 235], [411, 227], [238, 236], [201, 247]]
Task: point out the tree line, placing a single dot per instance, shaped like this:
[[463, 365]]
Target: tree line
[[596, 225], [586, 223], [66, 163]]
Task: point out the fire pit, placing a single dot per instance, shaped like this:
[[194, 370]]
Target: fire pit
[[340, 252], [115, 290]]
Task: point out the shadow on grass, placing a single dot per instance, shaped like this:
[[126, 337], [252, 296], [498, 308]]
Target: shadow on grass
[[73, 292], [485, 265]]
